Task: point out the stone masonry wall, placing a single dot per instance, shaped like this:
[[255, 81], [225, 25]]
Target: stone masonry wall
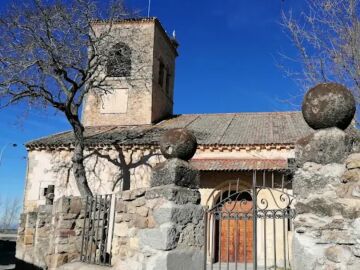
[[51, 236], [327, 184], [157, 227]]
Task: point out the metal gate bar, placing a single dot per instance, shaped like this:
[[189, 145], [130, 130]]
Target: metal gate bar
[[96, 234], [268, 204]]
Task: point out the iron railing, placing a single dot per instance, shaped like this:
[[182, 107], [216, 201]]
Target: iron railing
[[98, 229], [248, 225]]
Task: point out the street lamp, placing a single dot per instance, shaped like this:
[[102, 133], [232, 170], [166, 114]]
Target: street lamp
[[3, 149]]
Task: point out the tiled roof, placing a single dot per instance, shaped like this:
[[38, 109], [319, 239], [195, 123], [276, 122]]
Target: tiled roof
[[239, 164], [210, 129]]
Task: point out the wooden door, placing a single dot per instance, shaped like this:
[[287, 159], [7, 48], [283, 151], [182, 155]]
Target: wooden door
[[236, 240]]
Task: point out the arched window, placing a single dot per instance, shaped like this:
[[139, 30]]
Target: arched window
[[119, 62]]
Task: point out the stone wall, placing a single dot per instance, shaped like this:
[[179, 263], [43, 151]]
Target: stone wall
[[157, 227], [327, 185], [51, 236]]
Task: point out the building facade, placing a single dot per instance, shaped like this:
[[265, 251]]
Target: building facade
[[123, 128]]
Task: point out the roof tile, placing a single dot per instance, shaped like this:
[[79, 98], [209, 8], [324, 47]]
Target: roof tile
[[210, 129]]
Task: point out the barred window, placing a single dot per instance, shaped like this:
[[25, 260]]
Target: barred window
[[119, 62]]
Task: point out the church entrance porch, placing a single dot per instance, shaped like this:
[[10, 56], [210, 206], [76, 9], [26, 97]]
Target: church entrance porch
[[249, 226]]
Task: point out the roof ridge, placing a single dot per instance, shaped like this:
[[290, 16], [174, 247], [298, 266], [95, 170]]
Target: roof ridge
[[235, 113]]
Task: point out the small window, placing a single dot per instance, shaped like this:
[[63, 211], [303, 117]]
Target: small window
[[161, 73], [119, 62]]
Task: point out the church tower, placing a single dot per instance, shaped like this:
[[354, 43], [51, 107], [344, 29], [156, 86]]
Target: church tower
[[140, 76]]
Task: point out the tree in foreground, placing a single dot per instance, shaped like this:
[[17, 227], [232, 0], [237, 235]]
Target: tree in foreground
[[50, 57], [327, 38]]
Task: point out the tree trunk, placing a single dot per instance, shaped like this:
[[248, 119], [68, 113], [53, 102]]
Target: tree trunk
[[78, 156]]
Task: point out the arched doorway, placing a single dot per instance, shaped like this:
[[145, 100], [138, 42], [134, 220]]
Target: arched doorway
[[234, 235], [249, 225]]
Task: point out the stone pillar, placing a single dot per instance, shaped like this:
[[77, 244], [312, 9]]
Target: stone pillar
[[326, 184], [162, 228], [66, 235]]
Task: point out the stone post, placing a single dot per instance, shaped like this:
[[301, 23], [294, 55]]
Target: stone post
[[326, 184], [162, 228]]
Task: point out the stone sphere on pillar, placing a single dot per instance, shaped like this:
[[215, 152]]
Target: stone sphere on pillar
[[328, 105], [178, 143]]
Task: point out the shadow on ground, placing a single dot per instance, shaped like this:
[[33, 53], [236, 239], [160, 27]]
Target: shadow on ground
[[8, 260]]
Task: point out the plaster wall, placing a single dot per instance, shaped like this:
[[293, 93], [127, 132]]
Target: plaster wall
[[49, 167], [54, 168]]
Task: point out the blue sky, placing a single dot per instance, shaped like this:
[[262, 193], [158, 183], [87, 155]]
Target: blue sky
[[227, 63]]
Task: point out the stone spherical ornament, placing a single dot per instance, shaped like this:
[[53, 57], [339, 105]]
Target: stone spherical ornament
[[178, 143], [328, 105]]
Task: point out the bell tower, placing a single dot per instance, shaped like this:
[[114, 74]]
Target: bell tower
[[140, 76]]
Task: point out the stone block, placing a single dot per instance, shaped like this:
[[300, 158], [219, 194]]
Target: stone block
[[191, 259], [163, 238], [122, 217], [121, 229], [324, 147], [131, 209], [178, 214], [76, 205], [69, 216], [175, 171], [139, 202], [338, 254], [315, 178], [353, 161], [66, 224], [178, 195], [142, 211], [64, 233], [140, 222], [130, 195], [192, 236], [120, 206], [28, 239], [57, 260], [31, 219], [351, 176]]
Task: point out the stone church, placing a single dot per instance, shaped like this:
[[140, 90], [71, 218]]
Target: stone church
[[123, 129]]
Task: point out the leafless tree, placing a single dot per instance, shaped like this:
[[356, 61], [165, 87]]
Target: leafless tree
[[51, 57], [9, 213], [327, 37]]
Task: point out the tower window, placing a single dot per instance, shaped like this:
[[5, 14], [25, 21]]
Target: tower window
[[119, 62], [161, 73], [167, 83]]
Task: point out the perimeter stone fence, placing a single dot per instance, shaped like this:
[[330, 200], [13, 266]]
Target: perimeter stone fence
[[160, 227], [327, 184], [51, 236]]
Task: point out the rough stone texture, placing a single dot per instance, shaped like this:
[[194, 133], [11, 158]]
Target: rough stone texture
[[51, 236], [178, 195], [161, 228], [175, 171], [327, 225], [328, 105], [324, 147], [178, 143]]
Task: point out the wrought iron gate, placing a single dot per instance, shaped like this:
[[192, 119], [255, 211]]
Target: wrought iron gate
[[249, 226], [98, 229]]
